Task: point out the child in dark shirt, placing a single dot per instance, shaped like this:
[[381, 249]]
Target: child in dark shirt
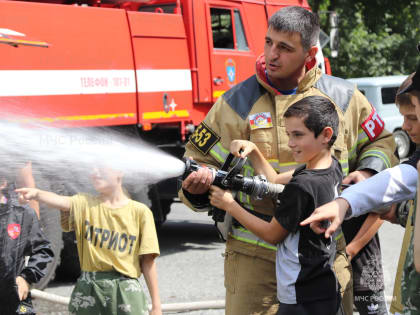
[[20, 236], [306, 283]]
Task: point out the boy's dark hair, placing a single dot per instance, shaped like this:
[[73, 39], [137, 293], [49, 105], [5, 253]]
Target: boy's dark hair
[[297, 20], [317, 112], [403, 99]]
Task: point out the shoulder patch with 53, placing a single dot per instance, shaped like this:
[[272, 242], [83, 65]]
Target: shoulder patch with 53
[[203, 138]]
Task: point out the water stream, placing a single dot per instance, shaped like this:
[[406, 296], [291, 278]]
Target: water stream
[[69, 155]]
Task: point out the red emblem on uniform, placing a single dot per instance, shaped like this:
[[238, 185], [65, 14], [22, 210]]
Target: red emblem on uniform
[[13, 230], [373, 125], [260, 120]]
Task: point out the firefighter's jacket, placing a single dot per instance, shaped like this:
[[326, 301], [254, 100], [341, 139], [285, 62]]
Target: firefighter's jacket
[[20, 236], [253, 110]]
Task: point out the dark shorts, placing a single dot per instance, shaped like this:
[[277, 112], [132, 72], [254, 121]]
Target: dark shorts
[[370, 302], [26, 307], [10, 304], [324, 307]]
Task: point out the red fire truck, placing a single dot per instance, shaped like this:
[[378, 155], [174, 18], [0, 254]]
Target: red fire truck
[[152, 68]]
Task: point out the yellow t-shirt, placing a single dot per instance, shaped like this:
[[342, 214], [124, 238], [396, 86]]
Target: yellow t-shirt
[[111, 239]]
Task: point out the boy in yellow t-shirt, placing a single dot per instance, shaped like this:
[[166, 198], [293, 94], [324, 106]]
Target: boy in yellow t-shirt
[[116, 241]]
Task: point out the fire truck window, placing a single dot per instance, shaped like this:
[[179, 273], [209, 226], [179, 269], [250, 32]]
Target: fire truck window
[[240, 34], [221, 25], [166, 8]]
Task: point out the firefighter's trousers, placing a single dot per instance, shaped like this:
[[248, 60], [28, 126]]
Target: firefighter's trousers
[[250, 279]]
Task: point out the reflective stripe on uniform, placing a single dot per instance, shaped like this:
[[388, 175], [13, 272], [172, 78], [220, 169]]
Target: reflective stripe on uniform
[[219, 153], [275, 164], [242, 234], [340, 235], [379, 154], [344, 166], [282, 167], [362, 137], [248, 171], [285, 167]]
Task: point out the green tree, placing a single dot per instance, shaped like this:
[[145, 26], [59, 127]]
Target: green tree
[[377, 37]]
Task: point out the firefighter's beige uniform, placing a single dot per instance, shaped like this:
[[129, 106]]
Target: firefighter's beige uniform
[[253, 110]]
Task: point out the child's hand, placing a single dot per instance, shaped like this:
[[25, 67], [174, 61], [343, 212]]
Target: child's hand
[[220, 198], [391, 215], [155, 311], [23, 288], [246, 146], [350, 252], [27, 194]]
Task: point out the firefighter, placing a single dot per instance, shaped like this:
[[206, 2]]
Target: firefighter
[[253, 110], [20, 236]]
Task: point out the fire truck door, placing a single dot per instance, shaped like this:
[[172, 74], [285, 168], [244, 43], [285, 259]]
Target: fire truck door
[[232, 54], [162, 67]]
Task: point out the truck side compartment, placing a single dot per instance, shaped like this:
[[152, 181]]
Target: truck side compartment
[[81, 76]]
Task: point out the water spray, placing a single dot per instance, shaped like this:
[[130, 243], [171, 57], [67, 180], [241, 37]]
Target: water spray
[[68, 155]]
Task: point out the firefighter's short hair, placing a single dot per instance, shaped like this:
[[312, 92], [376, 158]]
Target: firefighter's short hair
[[296, 19]]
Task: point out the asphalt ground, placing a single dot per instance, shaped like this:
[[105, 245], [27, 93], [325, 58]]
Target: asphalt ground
[[190, 267]]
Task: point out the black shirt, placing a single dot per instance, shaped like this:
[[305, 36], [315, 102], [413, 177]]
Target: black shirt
[[305, 259]]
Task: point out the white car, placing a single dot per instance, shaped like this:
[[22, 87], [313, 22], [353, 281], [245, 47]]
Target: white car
[[381, 91]]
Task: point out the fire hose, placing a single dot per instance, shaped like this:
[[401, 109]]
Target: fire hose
[[256, 186], [171, 307]]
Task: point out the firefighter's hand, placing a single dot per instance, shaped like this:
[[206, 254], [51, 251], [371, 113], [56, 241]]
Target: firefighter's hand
[[391, 215], [241, 148], [27, 194], [333, 212], [220, 198], [198, 182], [357, 176], [23, 288]]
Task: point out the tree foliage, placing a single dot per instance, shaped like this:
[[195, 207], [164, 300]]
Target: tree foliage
[[377, 37]]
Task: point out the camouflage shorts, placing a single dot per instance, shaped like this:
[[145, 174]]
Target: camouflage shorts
[[107, 293]]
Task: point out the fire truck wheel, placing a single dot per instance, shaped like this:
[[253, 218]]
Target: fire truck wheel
[[50, 224], [165, 205]]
